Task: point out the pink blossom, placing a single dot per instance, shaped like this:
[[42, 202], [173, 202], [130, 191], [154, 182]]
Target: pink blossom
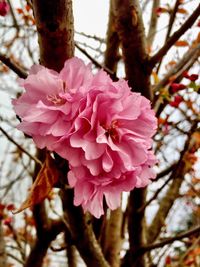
[[51, 101], [102, 128], [4, 8]]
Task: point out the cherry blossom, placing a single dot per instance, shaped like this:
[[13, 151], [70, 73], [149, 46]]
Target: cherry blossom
[[102, 128]]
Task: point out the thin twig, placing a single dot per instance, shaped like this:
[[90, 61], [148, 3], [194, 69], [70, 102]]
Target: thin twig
[[142, 208], [15, 258], [171, 239], [171, 23], [20, 147], [96, 63], [171, 41], [165, 171]]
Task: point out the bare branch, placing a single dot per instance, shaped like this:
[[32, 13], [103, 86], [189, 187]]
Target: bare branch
[[41, 245], [20, 147], [171, 41], [153, 23], [172, 19], [18, 70], [170, 240], [165, 172], [81, 231], [177, 72], [112, 42], [130, 29], [13, 16], [171, 23], [96, 63], [172, 192], [113, 241], [141, 209]]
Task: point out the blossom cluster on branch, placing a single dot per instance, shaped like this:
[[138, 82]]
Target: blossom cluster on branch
[[102, 128]]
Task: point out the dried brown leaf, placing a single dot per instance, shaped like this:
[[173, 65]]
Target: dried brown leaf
[[43, 184]]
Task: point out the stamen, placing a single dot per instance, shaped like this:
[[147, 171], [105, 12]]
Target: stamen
[[112, 130], [56, 99], [64, 86]]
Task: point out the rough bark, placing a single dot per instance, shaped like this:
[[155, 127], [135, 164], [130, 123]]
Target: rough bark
[[39, 250], [81, 232], [114, 240], [112, 42], [130, 28], [136, 227], [54, 22]]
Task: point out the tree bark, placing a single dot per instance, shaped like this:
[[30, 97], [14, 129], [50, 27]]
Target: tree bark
[[54, 22], [39, 250], [114, 240], [81, 232], [112, 42], [130, 29]]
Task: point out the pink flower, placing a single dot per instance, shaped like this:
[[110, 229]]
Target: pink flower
[[91, 189], [4, 8], [51, 101], [101, 127]]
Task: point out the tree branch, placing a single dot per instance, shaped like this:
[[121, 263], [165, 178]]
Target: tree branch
[[171, 41], [42, 244], [113, 234], [177, 72], [184, 64], [81, 231], [54, 22], [172, 192], [112, 42], [153, 23], [171, 23], [20, 147], [170, 240], [165, 172], [130, 29], [96, 63], [141, 209], [18, 70]]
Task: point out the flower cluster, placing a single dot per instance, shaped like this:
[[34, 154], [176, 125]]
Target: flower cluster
[[102, 128], [4, 8]]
